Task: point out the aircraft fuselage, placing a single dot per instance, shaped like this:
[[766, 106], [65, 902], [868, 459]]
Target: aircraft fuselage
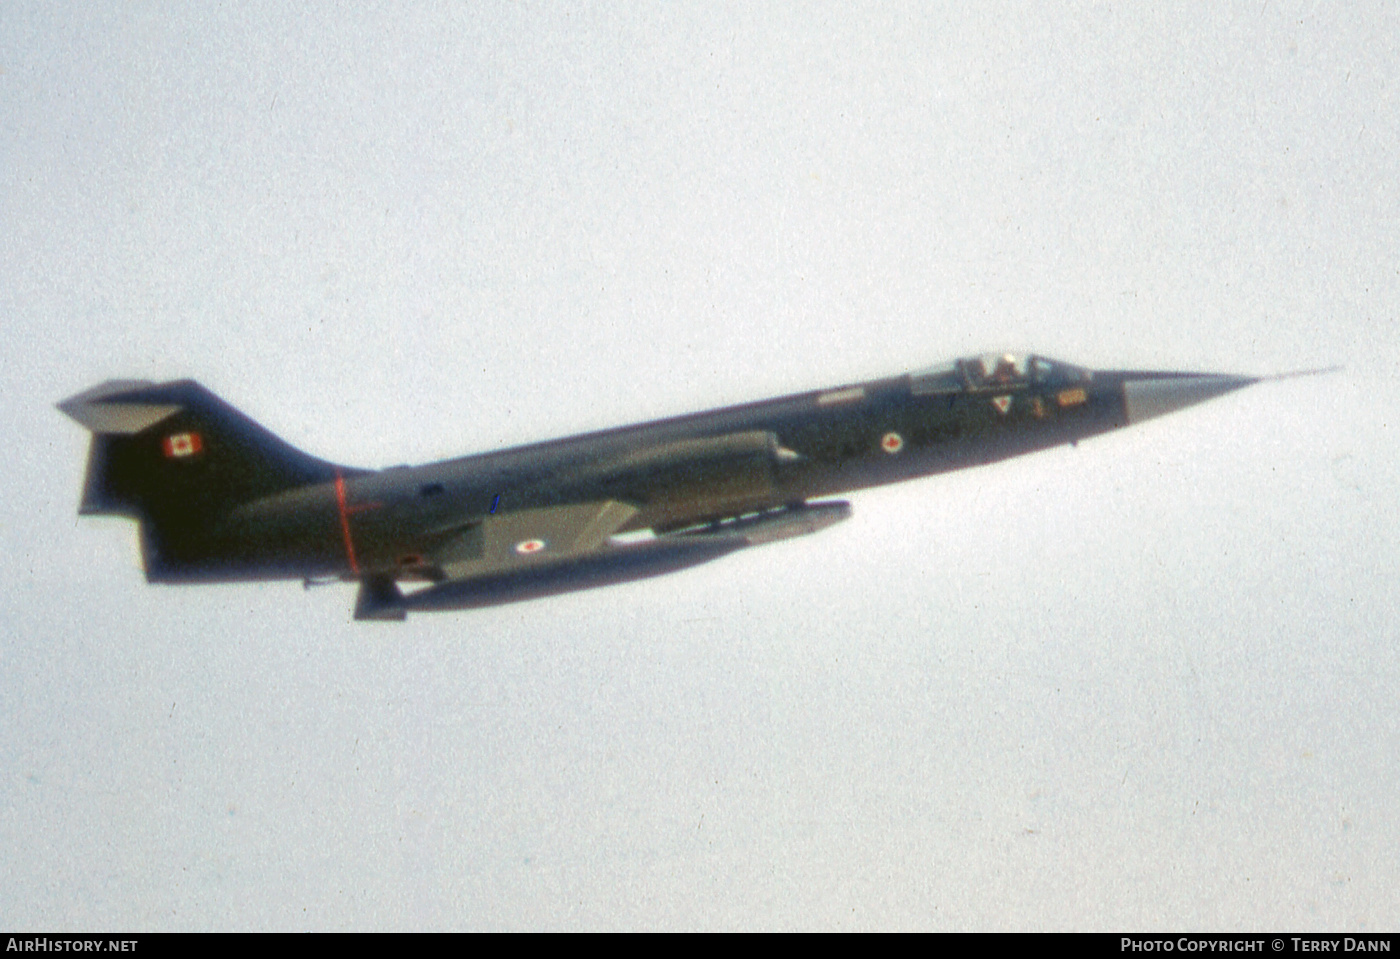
[[219, 498]]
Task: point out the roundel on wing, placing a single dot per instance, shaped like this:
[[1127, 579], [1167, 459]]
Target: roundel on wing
[[527, 547], [892, 443]]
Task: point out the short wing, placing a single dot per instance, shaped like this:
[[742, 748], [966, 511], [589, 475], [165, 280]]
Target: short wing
[[531, 577], [526, 538], [680, 481]]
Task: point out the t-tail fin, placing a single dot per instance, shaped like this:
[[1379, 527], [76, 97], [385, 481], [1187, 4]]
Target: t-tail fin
[[178, 458]]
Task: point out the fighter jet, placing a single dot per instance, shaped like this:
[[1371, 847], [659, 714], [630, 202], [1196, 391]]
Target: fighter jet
[[218, 498]]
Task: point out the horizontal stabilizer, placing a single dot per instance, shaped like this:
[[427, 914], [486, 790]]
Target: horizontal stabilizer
[[108, 408]]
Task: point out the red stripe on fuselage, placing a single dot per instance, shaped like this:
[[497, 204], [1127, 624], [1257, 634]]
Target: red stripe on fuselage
[[345, 522]]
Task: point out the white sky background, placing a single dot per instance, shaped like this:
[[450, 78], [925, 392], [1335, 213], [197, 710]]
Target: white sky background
[[1145, 683]]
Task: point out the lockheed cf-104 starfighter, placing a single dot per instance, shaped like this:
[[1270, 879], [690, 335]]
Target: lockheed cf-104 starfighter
[[219, 498]]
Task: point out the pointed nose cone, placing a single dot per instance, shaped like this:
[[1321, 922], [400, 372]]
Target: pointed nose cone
[[1154, 394]]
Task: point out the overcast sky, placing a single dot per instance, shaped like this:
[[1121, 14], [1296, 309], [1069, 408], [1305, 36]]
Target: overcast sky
[[1148, 682]]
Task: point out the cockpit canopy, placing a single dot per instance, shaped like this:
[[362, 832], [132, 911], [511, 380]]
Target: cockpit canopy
[[996, 371]]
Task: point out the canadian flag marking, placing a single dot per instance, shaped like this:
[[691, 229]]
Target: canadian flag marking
[[180, 445]]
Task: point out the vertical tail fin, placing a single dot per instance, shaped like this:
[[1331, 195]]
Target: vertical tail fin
[[177, 458]]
